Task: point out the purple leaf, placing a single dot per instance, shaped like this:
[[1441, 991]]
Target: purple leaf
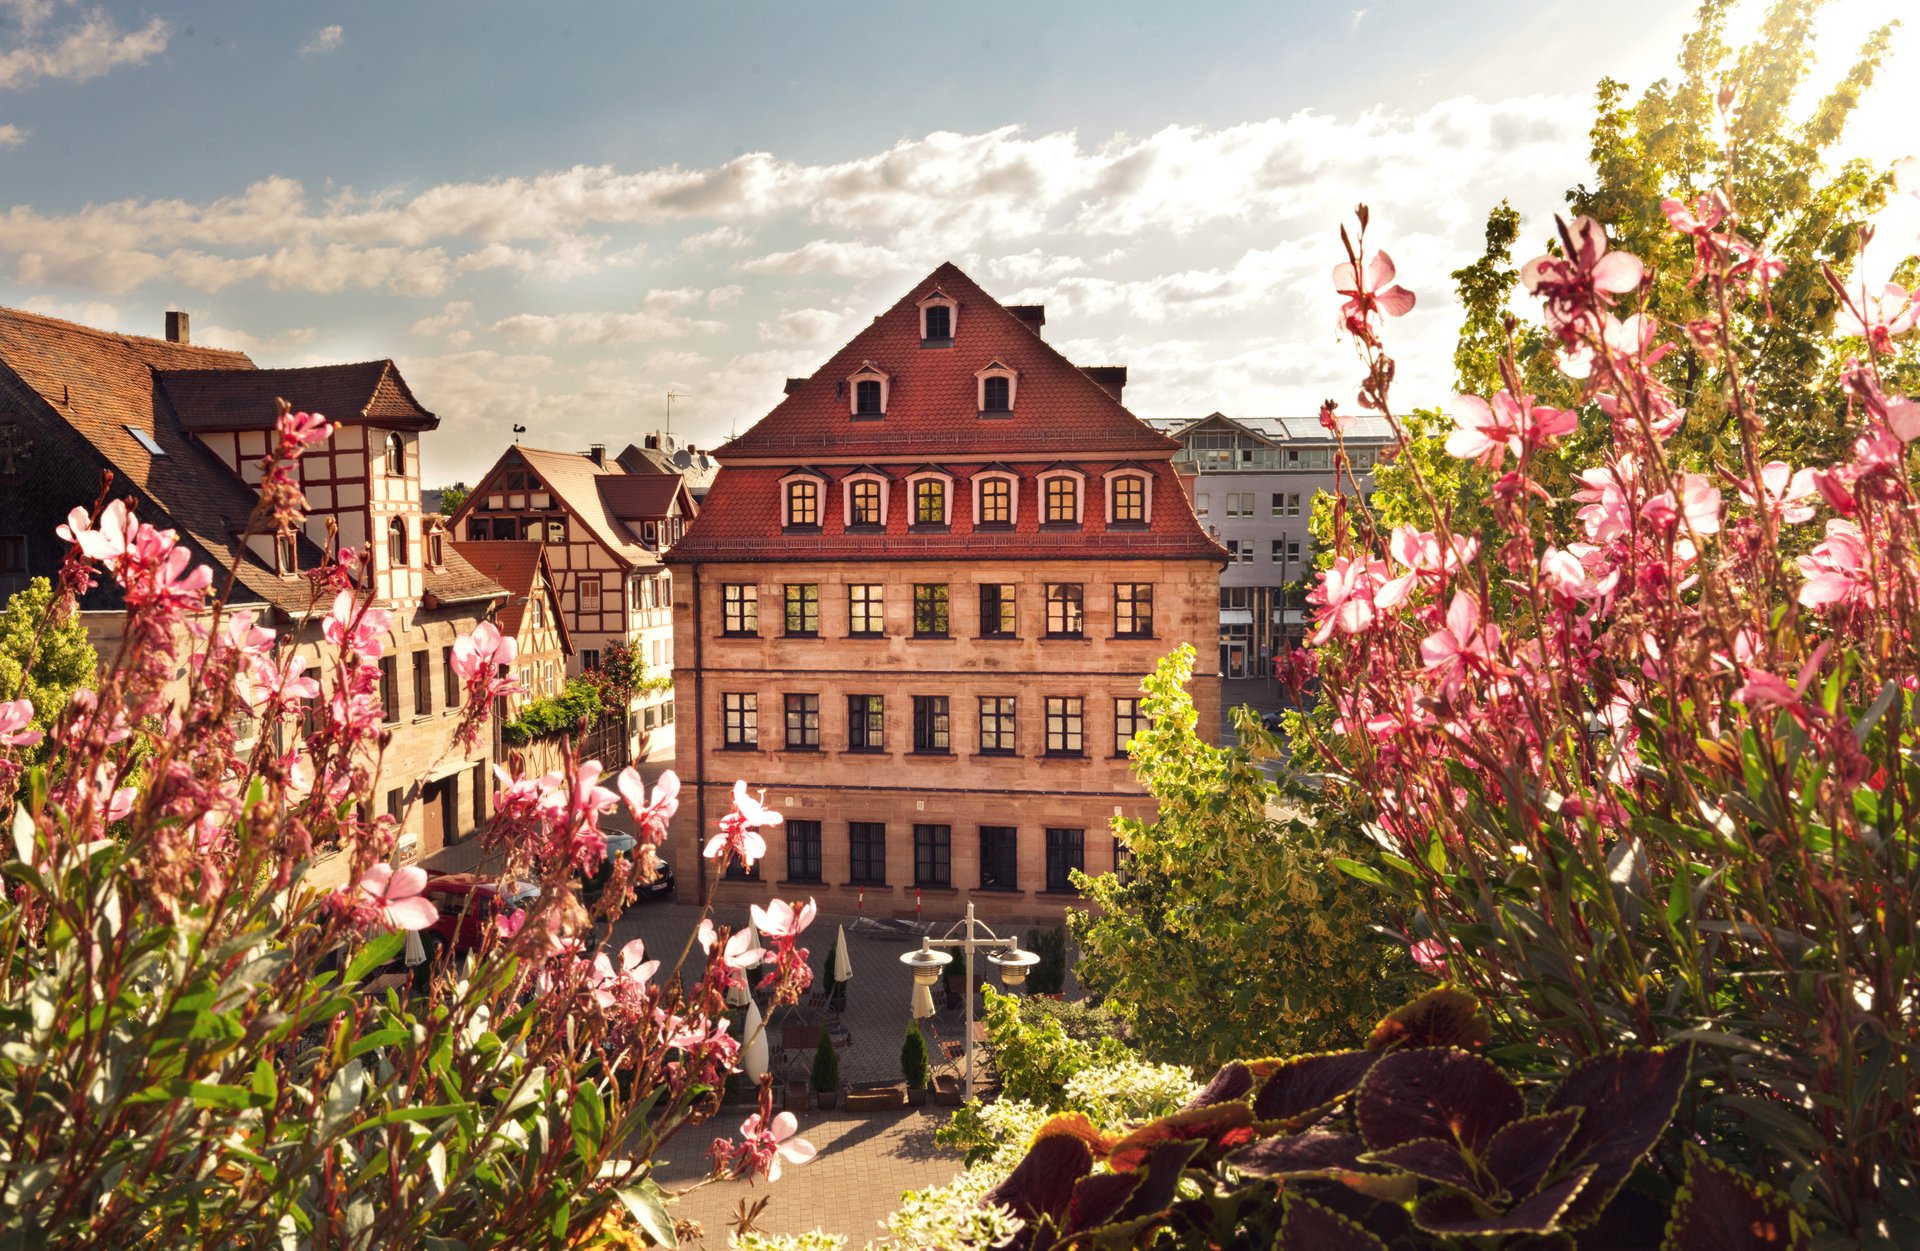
[[1222, 1125], [1098, 1198], [1435, 1160], [1443, 1017], [1459, 1216], [1233, 1081], [1299, 1091], [1306, 1226], [1303, 1155], [1042, 1184], [1627, 1099], [1435, 1092], [1722, 1209], [1165, 1166], [1525, 1151]]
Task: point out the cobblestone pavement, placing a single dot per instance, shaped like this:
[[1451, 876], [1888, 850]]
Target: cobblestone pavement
[[865, 1163]]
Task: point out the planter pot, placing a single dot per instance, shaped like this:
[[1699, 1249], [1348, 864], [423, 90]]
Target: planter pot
[[876, 1097], [916, 1096], [797, 1096], [946, 1091], [826, 1098]]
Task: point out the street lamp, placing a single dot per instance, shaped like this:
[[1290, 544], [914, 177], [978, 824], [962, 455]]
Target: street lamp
[[928, 965]]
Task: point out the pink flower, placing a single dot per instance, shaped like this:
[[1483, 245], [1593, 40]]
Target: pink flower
[[1877, 316], [16, 718], [780, 919], [1346, 596], [304, 428], [650, 817], [1783, 492], [109, 541], [399, 896], [1462, 643], [739, 830], [1431, 955], [1368, 295], [1334, 421], [1485, 432], [481, 653], [1586, 278], [1903, 418], [1836, 571], [741, 952], [766, 1147]]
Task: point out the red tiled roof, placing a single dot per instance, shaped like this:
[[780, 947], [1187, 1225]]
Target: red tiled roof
[[574, 480], [103, 386], [640, 496], [741, 521], [458, 581], [933, 396], [366, 392], [517, 566]]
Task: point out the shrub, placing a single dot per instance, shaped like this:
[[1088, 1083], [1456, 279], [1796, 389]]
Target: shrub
[[1049, 977], [1081, 1020], [1033, 1057], [552, 716], [1644, 771], [826, 1066], [913, 1057]]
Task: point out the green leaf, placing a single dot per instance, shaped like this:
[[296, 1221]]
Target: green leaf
[[1354, 869], [648, 1204], [379, 950]]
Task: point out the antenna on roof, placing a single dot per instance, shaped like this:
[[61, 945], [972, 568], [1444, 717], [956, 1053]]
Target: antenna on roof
[[517, 432], [673, 395]]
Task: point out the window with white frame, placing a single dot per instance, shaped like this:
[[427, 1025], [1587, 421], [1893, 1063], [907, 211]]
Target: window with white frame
[[867, 391], [590, 592], [1240, 551], [866, 502], [1202, 502], [939, 316], [1128, 501], [997, 385], [1240, 503], [1286, 503], [994, 496], [1060, 499]]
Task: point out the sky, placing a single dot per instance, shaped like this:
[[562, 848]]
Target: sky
[[556, 215]]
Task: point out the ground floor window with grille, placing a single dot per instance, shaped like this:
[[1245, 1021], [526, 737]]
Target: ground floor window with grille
[[1066, 851], [867, 853], [999, 857], [803, 851], [933, 855]]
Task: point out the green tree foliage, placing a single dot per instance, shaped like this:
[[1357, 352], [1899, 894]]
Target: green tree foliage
[[825, 1077], [451, 497], [1230, 932], [554, 715], [41, 658], [1033, 1054], [913, 1057]]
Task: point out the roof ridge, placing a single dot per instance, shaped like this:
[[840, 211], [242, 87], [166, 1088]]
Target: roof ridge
[[386, 363], [121, 335]]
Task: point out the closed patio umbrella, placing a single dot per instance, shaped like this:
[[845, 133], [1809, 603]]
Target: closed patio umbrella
[[755, 1058], [738, 995]]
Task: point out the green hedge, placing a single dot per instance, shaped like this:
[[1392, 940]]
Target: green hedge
[[553, 715]]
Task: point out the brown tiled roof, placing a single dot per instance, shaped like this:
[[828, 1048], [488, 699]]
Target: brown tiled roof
[[516, 565], [640, 497], [457, 581], [933, 397], [371, 392], [741, 521], [573, 477], [103, 385]]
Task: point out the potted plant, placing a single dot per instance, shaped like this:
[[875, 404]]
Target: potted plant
[[826, 1072], [946, 1090], [913, 1064]]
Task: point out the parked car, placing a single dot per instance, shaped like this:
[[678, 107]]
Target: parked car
[[469, 906], [622, 845]]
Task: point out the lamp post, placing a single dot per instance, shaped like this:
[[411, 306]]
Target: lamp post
[[928, 964]]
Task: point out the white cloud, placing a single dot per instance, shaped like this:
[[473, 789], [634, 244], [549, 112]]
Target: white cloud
[[94, 46], [655, 319], [87, 312], [11, 136], [713, 240], [454, 313], [326, 39], [256, 345], [1037, 265], [800, 325], [826, 256]]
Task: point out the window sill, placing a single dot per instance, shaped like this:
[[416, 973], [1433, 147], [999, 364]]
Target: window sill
[[865, 886], [863, 751], [739, 634], [929, 527], [1065, 638], [984, 889], [1063, 755], [996, 414], [790, 635], [869, 635], [932, 753], [1134, 638], [933, 638], [800, 751], [802, 881], [936, 343], [933, 888], [998, 638], [1127, 525], [993, 527], [1063, 892], [995, 755], [868, 416], [740, 747], [865, 527], [1060, 526], [798, 527]]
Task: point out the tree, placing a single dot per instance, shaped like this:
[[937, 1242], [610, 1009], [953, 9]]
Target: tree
[[1229, 931], [43, 657], [451, 497]]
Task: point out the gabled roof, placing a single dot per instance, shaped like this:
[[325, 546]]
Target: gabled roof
[[520, 566], [644, 497], [370, 392], [457, 581], [932, 400], [102, 386], [574, 481]]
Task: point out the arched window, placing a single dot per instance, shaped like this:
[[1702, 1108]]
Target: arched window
[[994, 395], [930, 498], [866, 397], [436, 547], [994, 498], [1060, 499], [1127, 499], [397, 542], [396, 456], [863, 503], [801, 500]]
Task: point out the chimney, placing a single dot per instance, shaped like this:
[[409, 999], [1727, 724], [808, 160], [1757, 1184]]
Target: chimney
[[1033, 316], [794, 384], [177, 331], [1112, 378], [597, 453]]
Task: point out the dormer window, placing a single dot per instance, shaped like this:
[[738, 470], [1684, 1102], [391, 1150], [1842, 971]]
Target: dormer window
[[867, 391], [932, 497], [938, 316], [866, 501], [286, 552], [1060, 498], [1129, 497], [995, 497], [396, 456], [996, 383], [436, 547], [800, 500]]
